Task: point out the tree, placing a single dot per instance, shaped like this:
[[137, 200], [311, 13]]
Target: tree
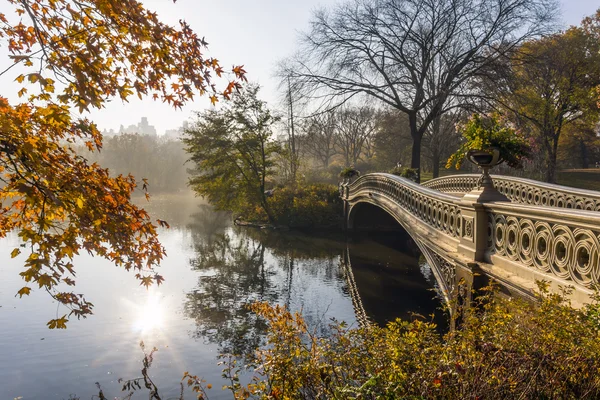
[[154, 156], [319, 140], [355, 129], [77, 56], [551, 85], [392, 140], [232, 149], [579, 146], [386, 48], [441, 137]]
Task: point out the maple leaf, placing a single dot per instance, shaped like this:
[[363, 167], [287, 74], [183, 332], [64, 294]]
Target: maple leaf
[[59, 323], [24, 291]]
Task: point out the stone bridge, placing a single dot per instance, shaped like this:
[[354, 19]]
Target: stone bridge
[[514, 231]]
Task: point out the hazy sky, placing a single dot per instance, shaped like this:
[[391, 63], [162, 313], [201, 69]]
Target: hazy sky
[[255, 33]]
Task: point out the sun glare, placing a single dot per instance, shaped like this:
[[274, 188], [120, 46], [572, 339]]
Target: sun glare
[[150, 315]]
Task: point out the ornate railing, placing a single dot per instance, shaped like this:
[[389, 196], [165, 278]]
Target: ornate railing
[[565, 244], [534, 236], [523, 191], [436, 209]]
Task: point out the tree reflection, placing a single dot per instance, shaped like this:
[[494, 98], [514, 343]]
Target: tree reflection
[[234, 275], [239, 266]]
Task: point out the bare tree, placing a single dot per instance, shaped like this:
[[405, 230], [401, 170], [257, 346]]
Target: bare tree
[[386, 48], [356, 126], [319, 140], [441, 139], [392, 140]]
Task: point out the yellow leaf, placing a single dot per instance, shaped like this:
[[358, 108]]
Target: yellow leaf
[[15, 253], [80, 202], [24, 291], [59, 323]]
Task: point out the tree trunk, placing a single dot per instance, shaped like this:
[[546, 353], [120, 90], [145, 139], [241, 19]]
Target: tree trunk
[[415, 161], [551, 164], [435, 160], [585, 162]]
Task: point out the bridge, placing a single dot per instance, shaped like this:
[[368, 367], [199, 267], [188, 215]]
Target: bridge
[[515, 231]]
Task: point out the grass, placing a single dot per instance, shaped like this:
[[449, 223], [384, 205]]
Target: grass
[[580, 178]]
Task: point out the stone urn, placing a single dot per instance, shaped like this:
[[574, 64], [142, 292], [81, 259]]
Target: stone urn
[[485, 159]]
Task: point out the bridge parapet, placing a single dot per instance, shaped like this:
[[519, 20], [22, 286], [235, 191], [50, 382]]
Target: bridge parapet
[[517, 243], [439, 210], [564, 244], [523, 191]]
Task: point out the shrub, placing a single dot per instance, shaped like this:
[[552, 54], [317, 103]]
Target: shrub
[[307, 206], [505, 349], [408, 173], [487, 133]]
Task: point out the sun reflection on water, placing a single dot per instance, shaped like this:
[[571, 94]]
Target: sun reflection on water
[[150, 314]]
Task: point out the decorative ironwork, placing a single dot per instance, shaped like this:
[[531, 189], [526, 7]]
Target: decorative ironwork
[[523, 191], [468, 228], [438, 210], [566, 246]]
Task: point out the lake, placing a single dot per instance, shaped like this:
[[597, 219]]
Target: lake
[[213, 270]]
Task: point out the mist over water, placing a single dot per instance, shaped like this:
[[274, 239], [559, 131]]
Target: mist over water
[[213, 270]]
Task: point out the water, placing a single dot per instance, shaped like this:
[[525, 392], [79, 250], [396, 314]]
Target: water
[[213, 271]]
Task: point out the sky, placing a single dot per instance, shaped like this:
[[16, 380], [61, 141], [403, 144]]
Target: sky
[[253, 33]]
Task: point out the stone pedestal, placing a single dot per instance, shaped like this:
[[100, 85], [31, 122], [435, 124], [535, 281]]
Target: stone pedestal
[[474, 228]]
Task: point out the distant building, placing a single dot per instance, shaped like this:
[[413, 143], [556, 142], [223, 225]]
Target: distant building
[[175, 134], [142, 128]]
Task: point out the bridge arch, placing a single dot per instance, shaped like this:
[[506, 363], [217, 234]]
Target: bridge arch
[[374, 214]]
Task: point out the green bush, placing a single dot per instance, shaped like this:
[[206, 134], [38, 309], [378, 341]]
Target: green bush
[[307, 206], [408, 173]]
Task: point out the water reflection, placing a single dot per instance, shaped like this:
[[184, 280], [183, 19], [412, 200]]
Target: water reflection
[[238, 266], [150, 315]]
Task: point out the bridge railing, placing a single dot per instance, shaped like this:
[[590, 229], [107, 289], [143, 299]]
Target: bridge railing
[[438, 210], [564, 244], [523, 191]]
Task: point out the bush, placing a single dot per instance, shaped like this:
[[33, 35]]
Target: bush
[[408, 173], [505, 349], [307, 206]]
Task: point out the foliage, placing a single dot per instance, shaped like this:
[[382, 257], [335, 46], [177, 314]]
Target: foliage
[[408, 173], [232, 150], [505, 349], [307, 206], [76, 56], [349, 172], [552, 84], [416, 56], [160, 159], [487, 133]]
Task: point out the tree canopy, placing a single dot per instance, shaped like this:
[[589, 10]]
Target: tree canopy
[[551, 84], [389, 51], [69, 57], [232, 149]]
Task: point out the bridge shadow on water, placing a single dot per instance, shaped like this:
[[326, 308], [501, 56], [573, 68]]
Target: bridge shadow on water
[[392, 278]]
